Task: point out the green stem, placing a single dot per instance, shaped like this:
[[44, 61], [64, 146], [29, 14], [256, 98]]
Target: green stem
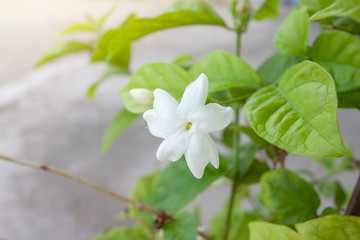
[[236, 176], [238, 43]]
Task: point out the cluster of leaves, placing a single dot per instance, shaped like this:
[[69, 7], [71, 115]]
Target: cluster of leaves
[[290, 102]]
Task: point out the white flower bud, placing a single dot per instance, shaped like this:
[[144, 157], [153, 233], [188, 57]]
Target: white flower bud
[[142, 96]]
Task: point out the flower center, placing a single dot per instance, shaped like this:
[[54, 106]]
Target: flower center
[[188, 126]]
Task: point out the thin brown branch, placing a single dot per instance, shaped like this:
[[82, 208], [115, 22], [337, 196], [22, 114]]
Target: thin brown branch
[[279, 155], [161, 215], [353, 207], [204, 236]]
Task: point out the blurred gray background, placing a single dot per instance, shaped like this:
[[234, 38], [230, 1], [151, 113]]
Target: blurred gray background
[[45, 116]]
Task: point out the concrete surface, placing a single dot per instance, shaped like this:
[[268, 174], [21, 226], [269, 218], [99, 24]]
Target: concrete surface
[[46, 118]]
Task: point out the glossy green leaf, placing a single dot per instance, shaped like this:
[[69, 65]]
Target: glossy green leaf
[[120, 122], [62, 49], [78, 27], [349, 99], [177, 187], [292, 36], [271, 70], [127, 233], [339, 53], [300, 114], [144, 192], [111, 71], [314, 6], [184, 228], [330, 227], [343, 8], [270, 231], [166, 76], [225, 70], [252, 135], [180, 14], [285, 193], [268, 9]]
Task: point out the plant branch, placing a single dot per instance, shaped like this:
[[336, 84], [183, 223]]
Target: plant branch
[[159, 213], [353, 207], [204, 236]]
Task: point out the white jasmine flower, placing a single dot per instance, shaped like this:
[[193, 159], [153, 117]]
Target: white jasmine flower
[[185, 126], [142, 96]]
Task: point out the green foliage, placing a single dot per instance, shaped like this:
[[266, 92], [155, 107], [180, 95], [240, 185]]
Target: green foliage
[[330, 227], [268, 9], [289, 198], [239, 219], [254, 173], [111, 71], [144, 193], [271, 70], [184, 60], [180, 14], [349, 99], [270, 231], [62, 49], [339, 53], [227, 71], [184, 228], [166, 76], [177, 187], [314, 6], [343, 8], [300, 114], [121, 121], [123, 233], [246, 155], [333, 189], [78, 27], [332, 166], [292, 36], [329, 211]]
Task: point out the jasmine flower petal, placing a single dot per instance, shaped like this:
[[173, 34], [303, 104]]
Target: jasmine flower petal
[[165, 106], [157, 126], [172, 148], [211, 117], [194, 96], [199, 153]]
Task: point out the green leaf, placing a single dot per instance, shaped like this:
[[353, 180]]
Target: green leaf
[[292, 36], [270, 231], [246, 155], [144, 193], [184, 60], [177, 187], [271, 70], [103, 18], [329, 211], [184, 228], [346, 24], [330, 227], [166, 76], [120, 122], [122, 233], [78, 27], [225, 70], [300, 114], [181, 14], [62, 49], [349, 99], [343, 8], [252, 135], [268, 9], [331, 166], [285, 193], [339, 53], [315, 5], [333, 189], [111, 71], [254, 173]]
